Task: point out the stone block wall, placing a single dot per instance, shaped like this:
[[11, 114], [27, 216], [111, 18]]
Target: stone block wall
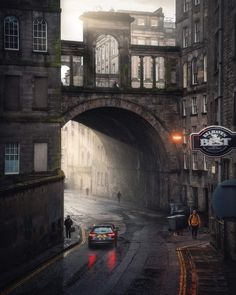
[[31, 218]]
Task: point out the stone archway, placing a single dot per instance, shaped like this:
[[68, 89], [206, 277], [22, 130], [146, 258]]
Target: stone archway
[[167, 154], [107, 23]]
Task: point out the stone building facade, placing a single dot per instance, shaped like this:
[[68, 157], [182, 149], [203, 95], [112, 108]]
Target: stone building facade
[[222, 107], [84, 160], [204, 32], [191, 23], [30, 129]]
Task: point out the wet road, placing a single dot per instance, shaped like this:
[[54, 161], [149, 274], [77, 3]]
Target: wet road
[[141, 263]]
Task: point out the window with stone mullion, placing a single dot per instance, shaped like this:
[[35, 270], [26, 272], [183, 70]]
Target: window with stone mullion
[[11, 33], [40, 35]]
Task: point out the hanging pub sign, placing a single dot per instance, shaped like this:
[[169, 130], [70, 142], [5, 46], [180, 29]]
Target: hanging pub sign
[[214, 141]]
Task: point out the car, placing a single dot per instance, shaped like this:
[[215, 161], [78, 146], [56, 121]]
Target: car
[[103, 234]]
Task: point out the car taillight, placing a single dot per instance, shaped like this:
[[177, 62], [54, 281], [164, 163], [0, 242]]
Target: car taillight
[[111, 235], [92, 235]]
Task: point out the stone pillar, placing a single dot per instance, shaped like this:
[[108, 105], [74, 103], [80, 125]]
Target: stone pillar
[[124, 68], [141, 71], [89, 67], [71, 71], [153, 72], [167, 65]]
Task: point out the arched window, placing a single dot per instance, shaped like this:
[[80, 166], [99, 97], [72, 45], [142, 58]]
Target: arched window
[[39, 35], [11, 33], [107, 61], [194, 71]]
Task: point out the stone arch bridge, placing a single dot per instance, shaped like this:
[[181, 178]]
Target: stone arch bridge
[[141, 117]]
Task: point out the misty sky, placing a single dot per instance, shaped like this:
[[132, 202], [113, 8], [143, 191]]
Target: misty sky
[[71, 10]]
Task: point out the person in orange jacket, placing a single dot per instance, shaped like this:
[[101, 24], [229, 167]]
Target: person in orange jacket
[[194, 222]]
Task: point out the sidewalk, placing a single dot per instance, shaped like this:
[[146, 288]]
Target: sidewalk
[[203, 270], [40, 261]]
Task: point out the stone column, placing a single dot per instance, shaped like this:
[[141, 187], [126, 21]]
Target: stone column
[[71, 71], [153, 72], [141, 71]]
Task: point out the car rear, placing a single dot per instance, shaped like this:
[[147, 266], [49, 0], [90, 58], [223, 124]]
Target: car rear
[[102, 235]]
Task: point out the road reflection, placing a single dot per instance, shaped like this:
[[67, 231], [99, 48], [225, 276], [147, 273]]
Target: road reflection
[[111, 259], [91, 260]]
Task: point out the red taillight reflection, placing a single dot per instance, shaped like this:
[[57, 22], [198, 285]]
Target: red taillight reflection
[[111, 235], [92, 235], [111, 259], [91, 260]]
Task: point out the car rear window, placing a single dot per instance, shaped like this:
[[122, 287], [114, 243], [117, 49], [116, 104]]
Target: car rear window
[[103, 229]]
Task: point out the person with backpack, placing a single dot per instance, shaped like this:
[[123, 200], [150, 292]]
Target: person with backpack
[[194, 222]]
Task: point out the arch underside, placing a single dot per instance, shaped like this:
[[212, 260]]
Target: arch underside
[[136, 149]]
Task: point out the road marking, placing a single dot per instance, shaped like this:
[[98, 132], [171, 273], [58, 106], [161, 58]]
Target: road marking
[[182, 281], [26, 278]]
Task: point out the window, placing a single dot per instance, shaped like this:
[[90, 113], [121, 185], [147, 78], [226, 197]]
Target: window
[[234, 110], [11, 33], [184, 136], [12, 158], [204, 104], [194, 106], [185, 161], [234, 36], [197, 32], [205, 69], [154, 22], [141, 41], [185, 75], [186, 5], [12, 93], [225, 169], [184, 108], [185, 37], [196, 2], [40, 35], [154, 42], [141, 21], [194, 71], [40, 92], [204, 163], [216, 52], [194, 162], [40, 157]]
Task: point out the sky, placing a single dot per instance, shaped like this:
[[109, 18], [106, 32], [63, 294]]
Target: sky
[[72, 27]]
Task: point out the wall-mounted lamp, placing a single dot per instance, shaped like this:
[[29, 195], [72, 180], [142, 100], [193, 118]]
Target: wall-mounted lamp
[[177, 137]]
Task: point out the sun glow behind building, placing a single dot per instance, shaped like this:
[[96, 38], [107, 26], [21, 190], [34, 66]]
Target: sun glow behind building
[[72, 27]]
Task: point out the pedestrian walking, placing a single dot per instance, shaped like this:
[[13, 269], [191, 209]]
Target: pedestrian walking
[[118, 196], [194, 222], [68, 224]]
